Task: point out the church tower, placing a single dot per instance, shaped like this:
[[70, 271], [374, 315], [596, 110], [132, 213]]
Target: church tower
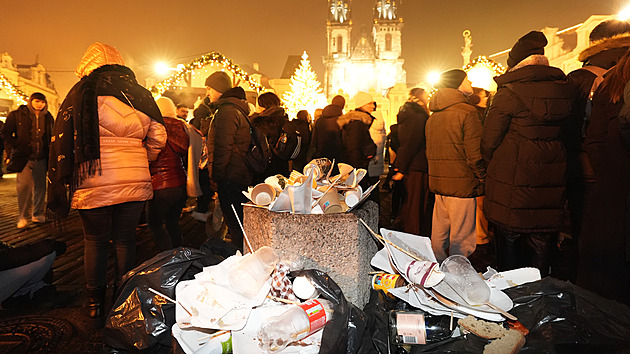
[[388, 42], [339, 32]]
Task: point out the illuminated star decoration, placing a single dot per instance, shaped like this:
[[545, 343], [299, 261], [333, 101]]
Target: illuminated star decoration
[[6, 85], [212, 58], [481, 72]]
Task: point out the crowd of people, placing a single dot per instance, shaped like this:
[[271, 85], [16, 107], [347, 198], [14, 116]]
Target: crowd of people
[[540, 164]]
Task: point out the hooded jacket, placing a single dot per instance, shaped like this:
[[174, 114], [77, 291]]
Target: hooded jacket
[[523, 143], [326, 140], [129, 139], [356, 139], [27, 133], [411, 154], [453, 133], [229, 138]]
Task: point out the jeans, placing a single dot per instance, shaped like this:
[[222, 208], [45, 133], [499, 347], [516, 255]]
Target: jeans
[[231, 194], [166, 208], [31, 188], [26, 279], [100, 225]]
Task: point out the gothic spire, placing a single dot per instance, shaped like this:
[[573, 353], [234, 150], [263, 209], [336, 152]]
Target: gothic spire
[[386, 10], [339, 11]]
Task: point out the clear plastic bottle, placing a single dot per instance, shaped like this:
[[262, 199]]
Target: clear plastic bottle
[[295, 324], [252, 271], [417, 328]]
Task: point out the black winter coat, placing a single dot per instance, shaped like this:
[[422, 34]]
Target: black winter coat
[[524, 147], [228, 140], [271, 121], [605, 241], [358, 146], [411, 154], [18, 133], [326, 141]]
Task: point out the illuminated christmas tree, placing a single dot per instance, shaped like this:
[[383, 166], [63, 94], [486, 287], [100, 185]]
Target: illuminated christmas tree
[[305, 90]]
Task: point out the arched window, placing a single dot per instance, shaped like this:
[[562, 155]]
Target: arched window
[[339, 44], [388, 41]]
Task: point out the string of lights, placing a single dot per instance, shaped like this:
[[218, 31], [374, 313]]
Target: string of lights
[[490, 64], [6, 85], [212, 58]]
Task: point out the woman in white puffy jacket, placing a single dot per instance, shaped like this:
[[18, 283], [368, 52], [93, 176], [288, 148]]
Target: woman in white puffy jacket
[[107, 131]]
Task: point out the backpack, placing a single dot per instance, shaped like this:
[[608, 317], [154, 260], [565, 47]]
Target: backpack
[[289, 143], [258, 155]]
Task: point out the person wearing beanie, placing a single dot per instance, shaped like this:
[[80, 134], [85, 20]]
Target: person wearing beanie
[[219, 81], [524, 148], [609, 41], [530, 44], [270, 120], [338, 100], [168, 178], [27, 132], [326, 136], [356, 142], [108, 130], [228, 141], [455, 168]]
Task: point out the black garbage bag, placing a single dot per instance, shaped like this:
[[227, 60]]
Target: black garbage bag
[[142, 320], [377, 311], [347, 330], [561, 318]]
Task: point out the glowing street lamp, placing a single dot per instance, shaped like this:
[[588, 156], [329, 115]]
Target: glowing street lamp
[[161, 68], [624, 14], [433, 77]]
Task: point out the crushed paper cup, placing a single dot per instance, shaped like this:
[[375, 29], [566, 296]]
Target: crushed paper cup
[[353, 196], [330, 202], [424, 273]]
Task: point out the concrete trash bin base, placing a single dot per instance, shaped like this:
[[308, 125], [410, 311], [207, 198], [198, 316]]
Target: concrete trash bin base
[[334, 243]]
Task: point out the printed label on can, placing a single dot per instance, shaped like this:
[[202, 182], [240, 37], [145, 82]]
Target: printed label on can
[[316, 314], [411, 328], [385, 281]]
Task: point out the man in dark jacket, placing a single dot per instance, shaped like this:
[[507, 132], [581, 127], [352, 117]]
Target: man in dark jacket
[[27, 133], [228, 141], [456, 170], [326, 140], [521, 142]]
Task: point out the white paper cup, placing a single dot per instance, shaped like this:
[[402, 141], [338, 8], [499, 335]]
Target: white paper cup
[[263, 194], [353, 197]]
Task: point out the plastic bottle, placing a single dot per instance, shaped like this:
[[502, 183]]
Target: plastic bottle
[[252, 271], [417, 328], [297, 323]]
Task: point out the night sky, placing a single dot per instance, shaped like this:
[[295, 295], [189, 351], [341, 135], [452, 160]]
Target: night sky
[[266, 31]]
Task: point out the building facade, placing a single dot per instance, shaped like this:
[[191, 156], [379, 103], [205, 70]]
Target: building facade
[[361, 61], [18, 82]]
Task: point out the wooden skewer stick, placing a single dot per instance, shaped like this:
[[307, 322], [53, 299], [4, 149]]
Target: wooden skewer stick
[[251, 249], [279, 299], [169, 299], [383, 240], [212, 335], [502, 311], [327, 190]]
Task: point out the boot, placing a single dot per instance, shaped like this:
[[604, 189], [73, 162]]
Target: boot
[[96, 302]]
